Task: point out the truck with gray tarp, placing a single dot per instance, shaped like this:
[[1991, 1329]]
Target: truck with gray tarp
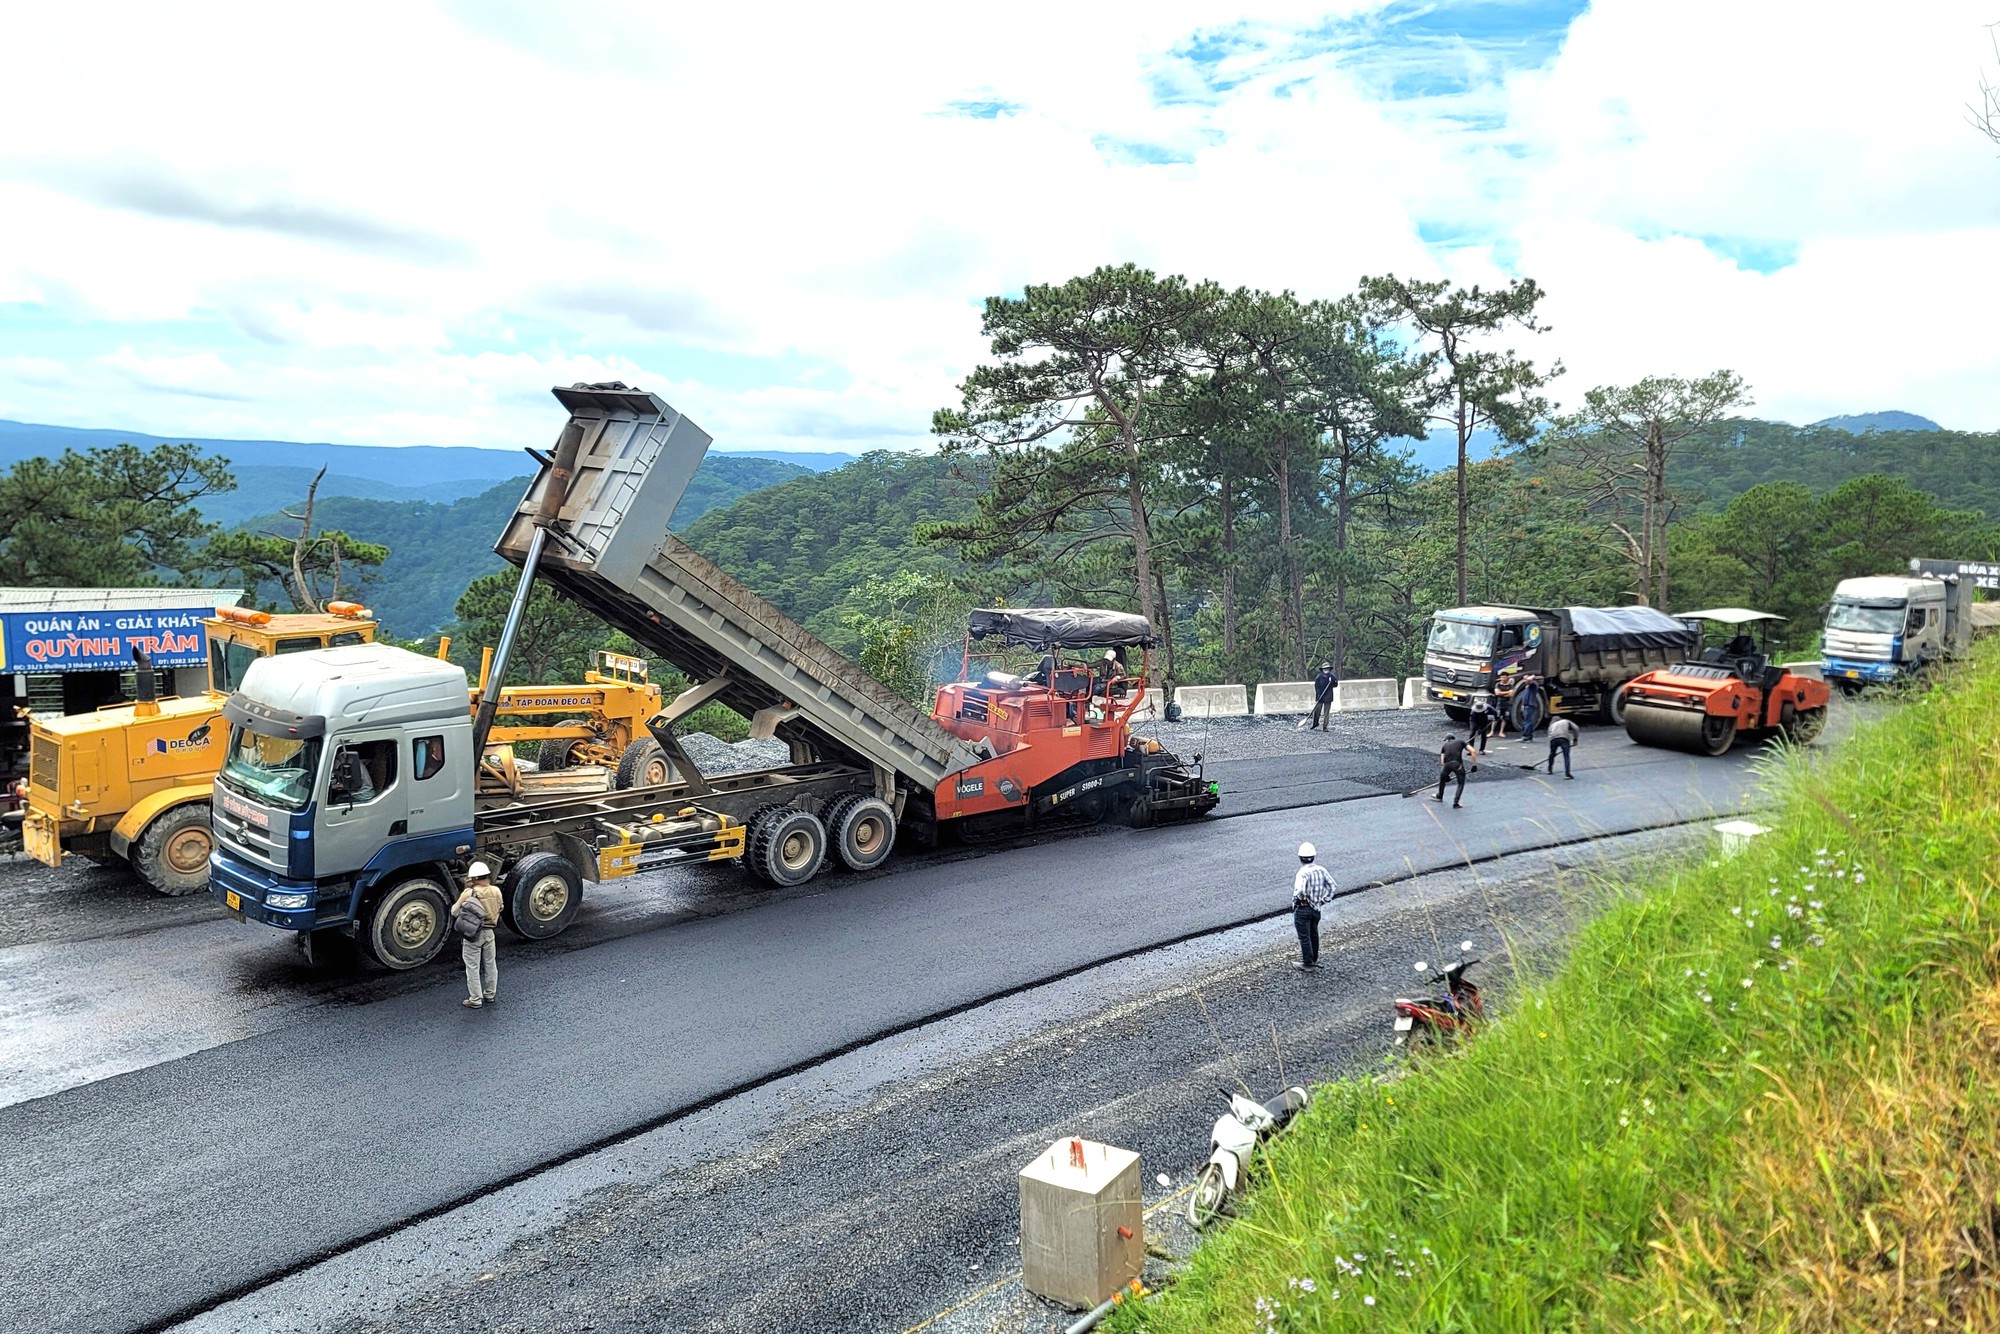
[[349, 803], [1583, 655]]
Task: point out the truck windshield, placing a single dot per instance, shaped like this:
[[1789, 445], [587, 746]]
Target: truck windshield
[[227, 661], [1467, 637], [1865, 618], [278, 770]]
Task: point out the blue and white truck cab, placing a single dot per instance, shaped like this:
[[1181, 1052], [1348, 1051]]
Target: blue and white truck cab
[[346, 796], [1881, 629]]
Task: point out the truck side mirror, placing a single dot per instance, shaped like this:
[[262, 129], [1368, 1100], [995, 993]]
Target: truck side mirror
[[346, 775]]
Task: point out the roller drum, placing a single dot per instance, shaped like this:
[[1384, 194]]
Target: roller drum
[[1678, 729]]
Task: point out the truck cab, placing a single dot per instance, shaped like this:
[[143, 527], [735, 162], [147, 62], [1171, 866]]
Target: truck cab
[[1882, 628], [132, 782], [1479, 650], [346, 794]]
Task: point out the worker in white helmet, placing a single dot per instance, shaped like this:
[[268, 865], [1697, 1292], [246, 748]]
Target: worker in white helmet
[[1312, 886], [474, 916]]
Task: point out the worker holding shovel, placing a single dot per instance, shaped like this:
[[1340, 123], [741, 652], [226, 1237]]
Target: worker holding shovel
[[1323, 687]]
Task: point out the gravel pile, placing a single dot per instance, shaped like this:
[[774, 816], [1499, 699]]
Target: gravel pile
[[714, 756]]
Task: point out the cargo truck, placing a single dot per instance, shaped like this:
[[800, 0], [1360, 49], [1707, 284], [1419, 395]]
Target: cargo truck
[[349, 800], [1887, 628], [1583, 655]]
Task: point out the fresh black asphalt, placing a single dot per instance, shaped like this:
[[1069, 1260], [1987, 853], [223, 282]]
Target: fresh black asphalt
[[135, 1199]]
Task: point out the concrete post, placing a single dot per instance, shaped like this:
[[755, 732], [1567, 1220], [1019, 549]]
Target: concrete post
[[1082, 1226], [1413, 692]]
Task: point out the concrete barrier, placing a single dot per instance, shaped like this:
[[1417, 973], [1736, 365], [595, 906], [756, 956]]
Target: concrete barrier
[[1812, 669], [1212, 701], [1285, 697], [1367, 693], [1413, 693]]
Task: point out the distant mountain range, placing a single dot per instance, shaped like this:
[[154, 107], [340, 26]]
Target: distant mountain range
[[272, 475], [1861, 423]]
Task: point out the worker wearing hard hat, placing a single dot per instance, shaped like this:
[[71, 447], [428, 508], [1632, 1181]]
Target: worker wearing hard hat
[[474, 915], [1312, 886]]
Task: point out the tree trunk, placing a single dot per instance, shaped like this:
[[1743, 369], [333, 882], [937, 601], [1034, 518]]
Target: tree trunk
[[1229, 569], [1341, 507], [1166, 625], [1142, 536], [1656, 507], [302, 592], [1464, 437], [1294, 631]]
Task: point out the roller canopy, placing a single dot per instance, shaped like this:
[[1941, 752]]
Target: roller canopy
[[1599, 628], [1731, 615], [1062, 627]]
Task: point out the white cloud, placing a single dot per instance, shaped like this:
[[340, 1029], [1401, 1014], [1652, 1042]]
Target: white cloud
[[401, 223]]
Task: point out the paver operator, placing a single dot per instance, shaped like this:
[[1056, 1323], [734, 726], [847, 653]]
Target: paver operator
[[1312, 886]]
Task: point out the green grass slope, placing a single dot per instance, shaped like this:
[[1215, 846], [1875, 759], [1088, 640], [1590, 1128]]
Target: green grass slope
[[1763, 1093]]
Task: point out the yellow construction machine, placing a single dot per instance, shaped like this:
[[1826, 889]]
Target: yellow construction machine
[[131, 782]]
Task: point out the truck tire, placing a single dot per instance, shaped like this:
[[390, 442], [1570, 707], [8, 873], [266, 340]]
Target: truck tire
[[644, 764], [1457, 714], [541, 894], [787, 846], [408, 926], [863, 831], [554, 753], [172, 855]]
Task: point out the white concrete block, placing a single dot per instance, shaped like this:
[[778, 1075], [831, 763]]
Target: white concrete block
[[1413, 692], [1083, 1230], [1736, 835], [1285, 697], [1812, 669], [1212, 701], [1367, 693]]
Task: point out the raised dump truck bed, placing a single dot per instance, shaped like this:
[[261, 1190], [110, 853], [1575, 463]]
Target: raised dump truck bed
[[634, 456]]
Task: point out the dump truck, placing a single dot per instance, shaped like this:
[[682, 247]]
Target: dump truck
[[133, 782], [1726, 693], [349, 801], [1583, 655], [1888, 628]]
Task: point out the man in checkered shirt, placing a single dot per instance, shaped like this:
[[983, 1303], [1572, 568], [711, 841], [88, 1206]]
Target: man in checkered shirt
[[1312, 886]]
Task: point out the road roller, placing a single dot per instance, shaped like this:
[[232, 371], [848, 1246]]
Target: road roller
[[1733, 691]]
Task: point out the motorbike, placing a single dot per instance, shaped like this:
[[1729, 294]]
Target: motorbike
[[1233, 1142], [1434, 1016]]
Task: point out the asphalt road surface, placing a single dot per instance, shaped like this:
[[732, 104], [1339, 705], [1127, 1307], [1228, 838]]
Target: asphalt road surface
[[347, 1110]]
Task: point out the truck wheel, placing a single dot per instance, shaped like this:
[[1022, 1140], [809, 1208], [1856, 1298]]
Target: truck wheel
[[644, 764], [541, 895], [172, 855], [1614, 706], [409, 924], [1457, 714], [863, 830], [787, 846]]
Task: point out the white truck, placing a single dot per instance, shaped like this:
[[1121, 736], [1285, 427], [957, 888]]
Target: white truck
[[1886, 628]]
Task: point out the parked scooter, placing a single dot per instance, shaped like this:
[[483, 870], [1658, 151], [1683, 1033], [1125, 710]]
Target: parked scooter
[[1231, 1144], [1453, 1012]]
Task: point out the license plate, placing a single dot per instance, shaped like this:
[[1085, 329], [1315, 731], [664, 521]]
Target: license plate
[[1448, 694], [232, 898], [1404, 1023], [1856, 675]]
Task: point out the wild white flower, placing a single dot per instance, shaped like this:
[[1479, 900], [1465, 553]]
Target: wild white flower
[[1367, 1301], [1858, 877], [1624, 1120], [1777, 942], [1746, 984], [1735, 912]]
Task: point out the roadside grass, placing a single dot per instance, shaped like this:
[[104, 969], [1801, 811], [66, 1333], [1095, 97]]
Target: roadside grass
[[1763, 1093]]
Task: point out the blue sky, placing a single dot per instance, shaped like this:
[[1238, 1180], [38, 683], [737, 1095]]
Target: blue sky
[[787, 224]]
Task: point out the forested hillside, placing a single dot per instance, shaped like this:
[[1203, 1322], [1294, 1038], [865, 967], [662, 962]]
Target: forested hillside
[[809, 543], [1960, 468], [437, 549]]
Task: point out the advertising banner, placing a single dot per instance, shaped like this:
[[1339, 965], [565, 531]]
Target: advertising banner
[[1983, 574], [98, 641]]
